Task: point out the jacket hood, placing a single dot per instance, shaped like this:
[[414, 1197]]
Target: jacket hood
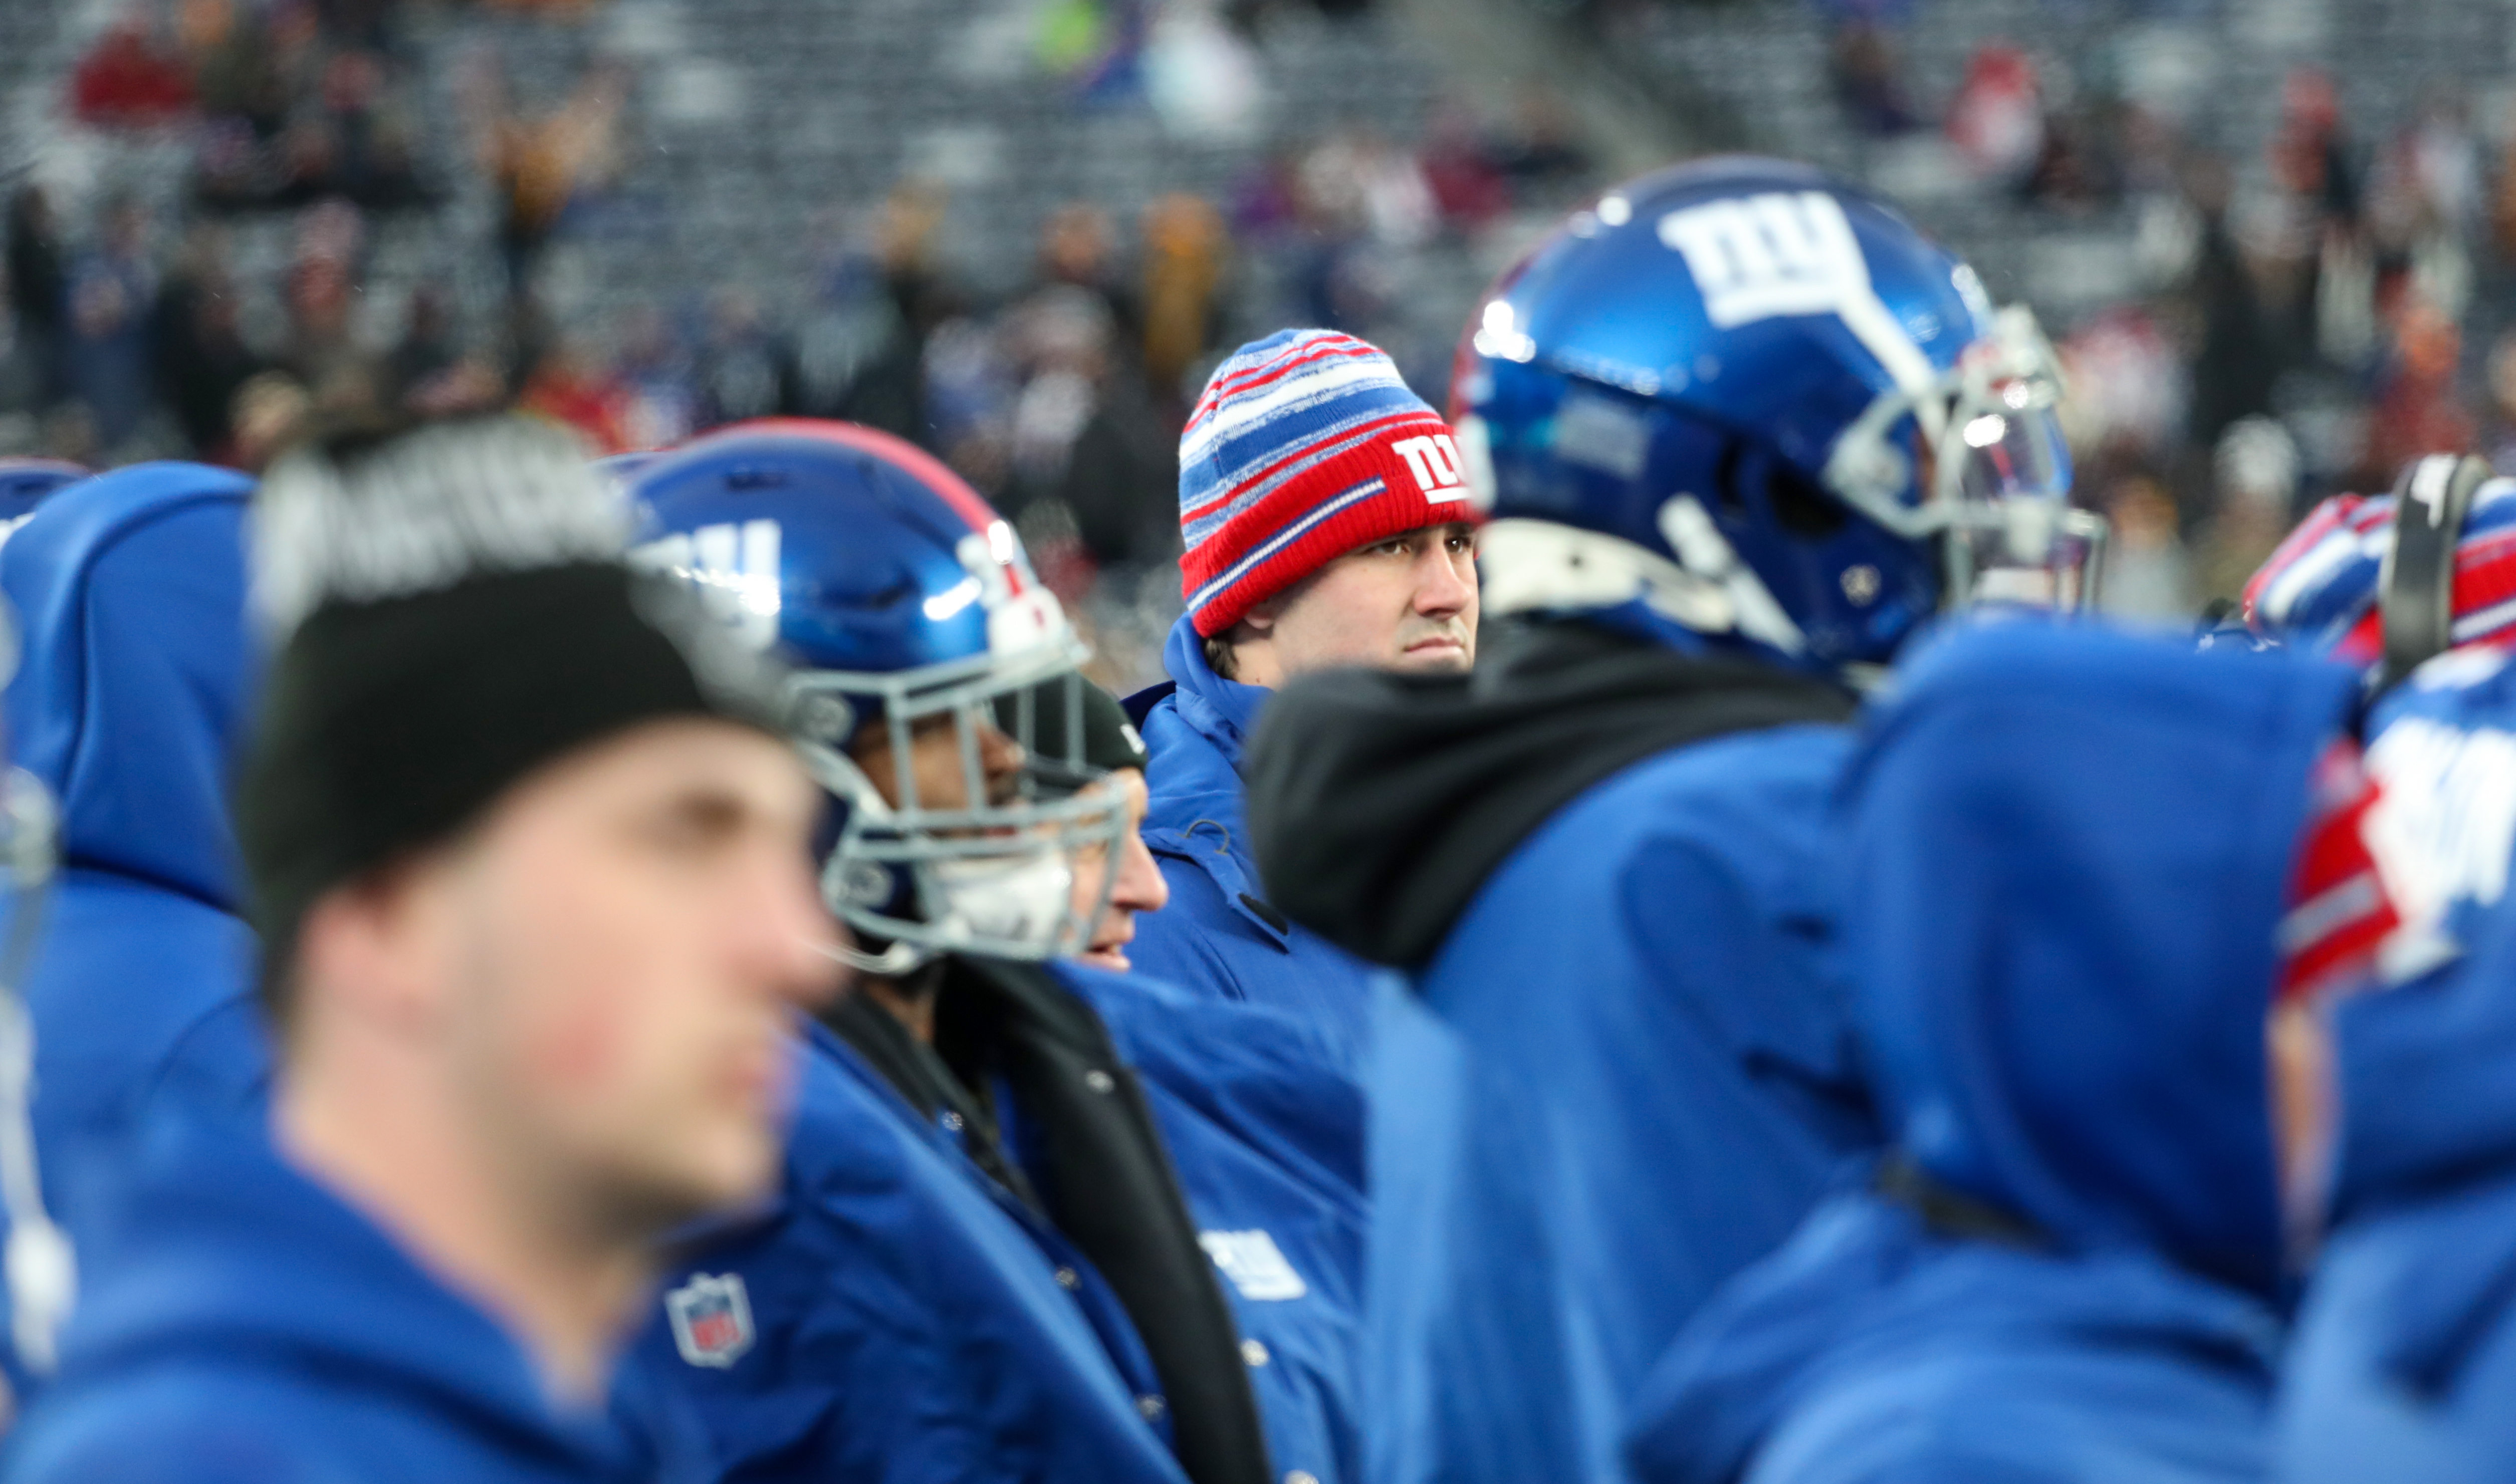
[[1863, 1287], [218, 1252], [132, 697], [1224, 711], [2070, 854], [1379, 802]]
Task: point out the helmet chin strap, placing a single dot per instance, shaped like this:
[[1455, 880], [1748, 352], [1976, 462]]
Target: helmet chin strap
[[894, 960], [2417, 583]]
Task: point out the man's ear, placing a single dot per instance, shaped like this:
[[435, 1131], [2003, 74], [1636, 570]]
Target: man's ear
[[1258, 622], [375, 946]]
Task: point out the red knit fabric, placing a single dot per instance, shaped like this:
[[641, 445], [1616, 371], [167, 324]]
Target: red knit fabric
[[1401, 504]]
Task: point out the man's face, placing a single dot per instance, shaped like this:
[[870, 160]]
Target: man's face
[[2305, 1110], [1409, 603], [633, 930], [1139, 886], [937, 765]]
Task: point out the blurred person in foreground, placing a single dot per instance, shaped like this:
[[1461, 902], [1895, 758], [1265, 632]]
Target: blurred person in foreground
[[983, 1262], [2097, 892], [130, 706], [1326, 517], [1743, 431], [2404, 1351], [526, 854]]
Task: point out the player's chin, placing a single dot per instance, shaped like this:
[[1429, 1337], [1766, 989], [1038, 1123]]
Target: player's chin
[[736, 1163], [1445, 652]]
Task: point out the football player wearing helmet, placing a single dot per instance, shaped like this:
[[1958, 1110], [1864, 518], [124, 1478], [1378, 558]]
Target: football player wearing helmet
[[983, 1258], [1741, 432], [2406, 1342]]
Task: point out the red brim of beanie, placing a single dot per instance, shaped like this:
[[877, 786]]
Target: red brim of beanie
[[1405, 481]]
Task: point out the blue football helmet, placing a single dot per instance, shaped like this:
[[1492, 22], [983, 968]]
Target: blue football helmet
[[1744, 401], [620, 467], [905, 604]]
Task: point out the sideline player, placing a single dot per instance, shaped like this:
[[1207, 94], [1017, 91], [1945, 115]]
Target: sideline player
[[1743, 431], [1328, 524], [527, 856], [2405, 1348], [2096, 888], [984, 1259]]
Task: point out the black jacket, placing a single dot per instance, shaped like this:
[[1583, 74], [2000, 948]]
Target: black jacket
[[1379, 802]]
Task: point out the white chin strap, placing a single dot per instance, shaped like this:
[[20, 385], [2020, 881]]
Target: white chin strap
[[1529, 566]]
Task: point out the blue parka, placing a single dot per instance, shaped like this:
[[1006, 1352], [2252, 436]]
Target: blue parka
[[1268, 1142], [2068, 856], [129, 704], [2404, 1355], [247, 1326], [1622, 1073], [896, 1316], [1219, 937], [910, 1320]]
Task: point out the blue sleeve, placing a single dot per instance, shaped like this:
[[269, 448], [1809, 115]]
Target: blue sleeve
[[142, 1440]]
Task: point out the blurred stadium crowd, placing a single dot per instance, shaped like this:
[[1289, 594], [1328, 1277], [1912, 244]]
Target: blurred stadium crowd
[[1027, 255]]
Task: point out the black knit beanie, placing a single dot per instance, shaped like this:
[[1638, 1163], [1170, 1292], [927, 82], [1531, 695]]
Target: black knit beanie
[[452, 610], [1109, 740]]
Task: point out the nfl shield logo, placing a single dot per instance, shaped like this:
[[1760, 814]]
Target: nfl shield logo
[[711, 1319]]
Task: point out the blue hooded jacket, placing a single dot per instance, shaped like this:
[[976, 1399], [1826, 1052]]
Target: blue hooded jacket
[[249, 1326], [904, 1318], [130, 705], [2405, 1352], [913, 1321], [1219, 937], [1268, 1142], [1621, 1070], [2067, 855]]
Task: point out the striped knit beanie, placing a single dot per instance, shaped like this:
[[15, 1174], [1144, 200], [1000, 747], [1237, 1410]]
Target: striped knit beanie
[[2318, 589], [1304, 446]]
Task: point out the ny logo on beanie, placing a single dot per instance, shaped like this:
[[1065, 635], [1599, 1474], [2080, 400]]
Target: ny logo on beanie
[[1305, 446], [1434, 460]]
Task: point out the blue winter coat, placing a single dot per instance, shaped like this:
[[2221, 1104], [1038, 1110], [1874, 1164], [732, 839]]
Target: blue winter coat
[[249, 1326], [130, 703], [1268, 1142], [1219, 937], [1620, 1070], [2404, 1355], [900, 1317], [1626, 1075], [909, 1321], [2067, 855]]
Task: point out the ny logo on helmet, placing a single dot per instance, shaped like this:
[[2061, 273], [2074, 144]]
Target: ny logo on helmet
[[732, 567], [1780, 253], [1434, 461]]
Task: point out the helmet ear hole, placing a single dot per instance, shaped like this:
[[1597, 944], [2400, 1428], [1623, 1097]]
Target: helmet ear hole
[[1800, 505], [1727, 478]]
